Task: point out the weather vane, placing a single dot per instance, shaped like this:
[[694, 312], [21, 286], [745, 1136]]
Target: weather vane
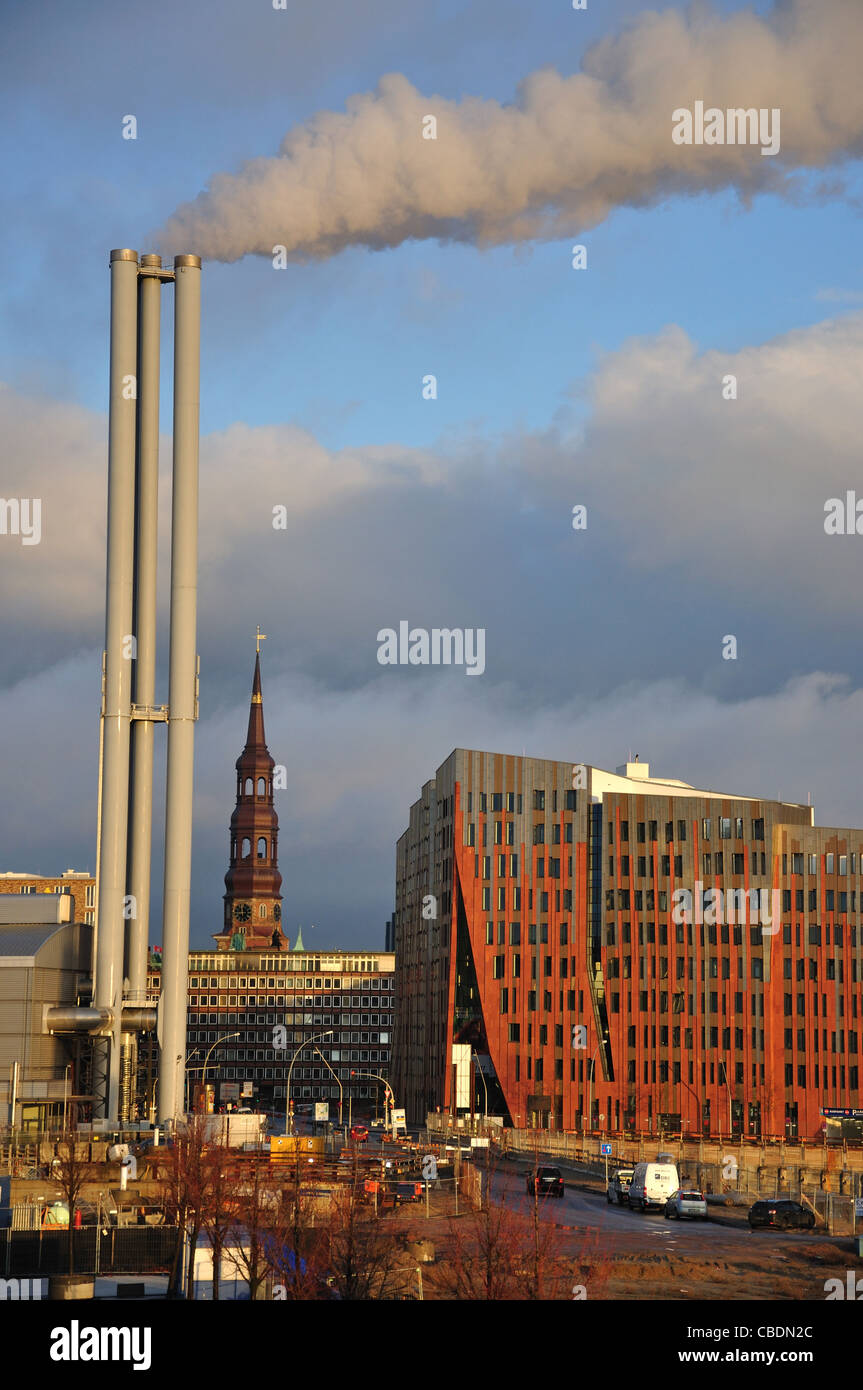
[[261, 637]]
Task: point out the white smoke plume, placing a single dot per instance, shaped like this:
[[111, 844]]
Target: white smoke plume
[[560, 158]]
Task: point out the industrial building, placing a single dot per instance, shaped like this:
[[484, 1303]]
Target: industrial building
[[44, 963], [544, 973]]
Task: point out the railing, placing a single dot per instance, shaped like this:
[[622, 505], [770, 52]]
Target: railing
[[119, 1250]]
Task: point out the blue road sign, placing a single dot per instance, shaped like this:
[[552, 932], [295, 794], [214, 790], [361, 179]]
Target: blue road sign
[[605, 1150]]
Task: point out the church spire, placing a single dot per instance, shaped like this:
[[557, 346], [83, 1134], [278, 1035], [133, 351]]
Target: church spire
[[253, 911]]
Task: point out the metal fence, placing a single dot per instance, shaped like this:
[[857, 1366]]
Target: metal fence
[[130, 1250]]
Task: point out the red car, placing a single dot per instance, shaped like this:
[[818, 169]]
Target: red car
[[359, 1133]]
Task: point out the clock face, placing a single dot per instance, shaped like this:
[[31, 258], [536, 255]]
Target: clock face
[[277, 912], [242, 912]]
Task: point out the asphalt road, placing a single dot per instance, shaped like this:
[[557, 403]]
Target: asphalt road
[[625, 1231]]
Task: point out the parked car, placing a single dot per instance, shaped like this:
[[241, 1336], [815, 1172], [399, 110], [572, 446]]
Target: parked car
[[618, 1187], [652, 1185], [686, 1202], [377, 1123], [408, 1192], [359, 1133], [782, 1214], [544, 1182]]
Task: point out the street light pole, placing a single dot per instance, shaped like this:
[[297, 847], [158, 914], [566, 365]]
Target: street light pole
[[338, 1082], [484, 1087], [590, 1093], [289, 1119], [388, 1093], [225, 1038]]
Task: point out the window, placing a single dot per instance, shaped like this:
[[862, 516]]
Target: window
[[725, 827], [539, 800], [262, 848]]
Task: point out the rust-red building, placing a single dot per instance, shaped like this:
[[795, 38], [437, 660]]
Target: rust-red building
[[549, 967]]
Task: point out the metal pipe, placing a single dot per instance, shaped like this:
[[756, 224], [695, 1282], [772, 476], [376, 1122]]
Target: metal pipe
[[146, 551], [182, 695], [69, 1018], [108, 983], [137, 1019]]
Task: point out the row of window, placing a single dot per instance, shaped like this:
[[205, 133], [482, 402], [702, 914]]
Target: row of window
[[385, 982], [710, 864], [513, 802], [647, 831], [677, 1002]]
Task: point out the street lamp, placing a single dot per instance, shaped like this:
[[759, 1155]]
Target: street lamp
[[388, 1093], [337, 1080], [289, 1119], [226, 1038], [475, 1056], [590, 1092]]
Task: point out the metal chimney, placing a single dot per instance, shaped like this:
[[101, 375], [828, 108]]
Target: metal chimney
[[183, 691], [128, 711]]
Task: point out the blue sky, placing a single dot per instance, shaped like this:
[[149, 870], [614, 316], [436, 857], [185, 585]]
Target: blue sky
[[468, 521]]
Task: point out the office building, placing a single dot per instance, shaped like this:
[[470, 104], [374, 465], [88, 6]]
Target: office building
[[547, 972]]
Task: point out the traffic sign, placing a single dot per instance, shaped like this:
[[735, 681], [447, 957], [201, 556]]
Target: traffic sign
[[605, 1150]]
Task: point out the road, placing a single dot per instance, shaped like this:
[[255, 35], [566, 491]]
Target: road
[[624, 1231]]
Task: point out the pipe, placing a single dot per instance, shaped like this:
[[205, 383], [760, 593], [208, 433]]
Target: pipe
[[146, 548], [73, 1018], [139, 1020], [182, 696], [70, 1018], [108, 984]]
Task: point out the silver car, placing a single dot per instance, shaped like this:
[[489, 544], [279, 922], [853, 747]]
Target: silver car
[[686, 1202]]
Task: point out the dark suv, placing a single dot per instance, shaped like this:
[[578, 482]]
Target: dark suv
[[782, 1214], [544, 1181]]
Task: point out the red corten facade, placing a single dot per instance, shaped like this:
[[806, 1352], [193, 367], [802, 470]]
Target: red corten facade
[[546, 968]]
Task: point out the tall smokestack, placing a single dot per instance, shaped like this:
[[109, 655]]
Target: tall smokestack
[[116, 710], [182, 696], [146, 559]]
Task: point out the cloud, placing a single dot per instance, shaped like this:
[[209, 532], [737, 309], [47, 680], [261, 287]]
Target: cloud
[[356, 760], [560, 158], [707, 511], [838, 296]]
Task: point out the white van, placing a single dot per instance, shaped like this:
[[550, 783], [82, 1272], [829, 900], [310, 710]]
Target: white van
[[652, 1185]]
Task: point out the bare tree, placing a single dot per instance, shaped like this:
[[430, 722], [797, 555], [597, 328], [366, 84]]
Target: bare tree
[[70, 1170], [185, 1192]]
